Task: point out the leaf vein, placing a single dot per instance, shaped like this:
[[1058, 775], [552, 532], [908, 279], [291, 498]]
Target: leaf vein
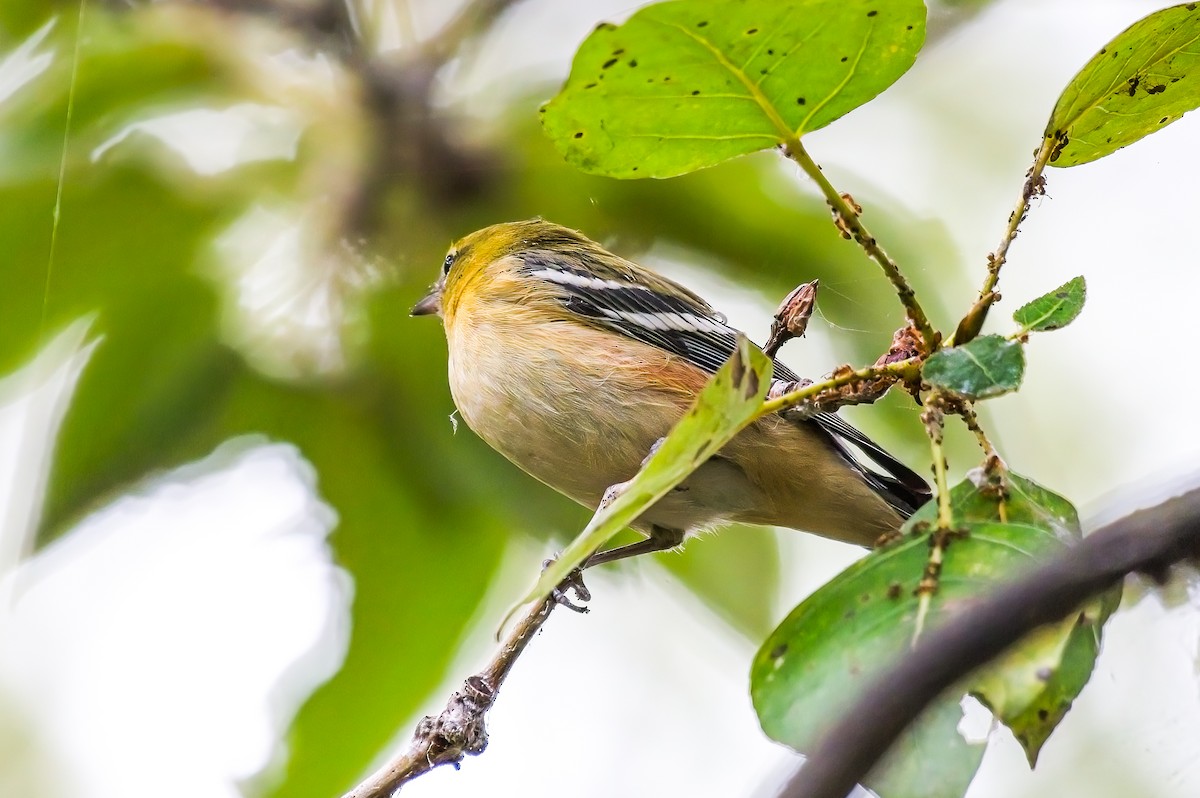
[[763, 103], [828, 98]]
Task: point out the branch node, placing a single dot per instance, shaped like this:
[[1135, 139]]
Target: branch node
[[846, 228]]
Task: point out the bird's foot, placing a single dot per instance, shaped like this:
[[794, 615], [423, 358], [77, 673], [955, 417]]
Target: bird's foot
[[572, 584]]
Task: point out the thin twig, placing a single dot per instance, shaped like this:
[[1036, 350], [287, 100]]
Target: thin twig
[[809, 396], [460, 729], [851, 222], [1034, 186], [473, 19], [1148, 541], [967, 413]]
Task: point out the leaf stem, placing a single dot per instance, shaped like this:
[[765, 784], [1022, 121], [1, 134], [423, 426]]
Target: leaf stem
[[940, 480], [794, 150], [1034, 186], [969, 417], [934, 419]]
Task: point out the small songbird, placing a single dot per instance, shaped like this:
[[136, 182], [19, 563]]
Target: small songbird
[[573, 362]]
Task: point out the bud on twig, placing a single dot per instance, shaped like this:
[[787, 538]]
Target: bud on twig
[[791, 319]]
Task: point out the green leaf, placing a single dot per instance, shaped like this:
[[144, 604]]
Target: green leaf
[[1140, 82], [1031, 689], [1006, 497], [1054, 310], [687, 84], [836, 642], [846, 634], [723, 408], [987, 366], [931, 760]]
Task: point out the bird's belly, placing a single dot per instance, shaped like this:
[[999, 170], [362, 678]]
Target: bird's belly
[[575, 427], [549, 432]]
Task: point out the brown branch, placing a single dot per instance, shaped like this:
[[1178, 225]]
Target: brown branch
[[1148, 541], [849, 221], [473, 19], [460, 729], [409, 139]]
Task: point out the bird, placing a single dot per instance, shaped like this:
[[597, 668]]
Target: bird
[[573, 362]]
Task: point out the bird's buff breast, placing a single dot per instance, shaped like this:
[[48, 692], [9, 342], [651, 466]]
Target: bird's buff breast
[[559, 402]]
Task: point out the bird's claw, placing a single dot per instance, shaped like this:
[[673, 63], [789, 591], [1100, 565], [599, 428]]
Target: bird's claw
[[573, 583]]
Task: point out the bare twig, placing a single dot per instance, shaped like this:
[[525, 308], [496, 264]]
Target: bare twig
[[1148, 541], [1034, 186], [849, 221], [848, 386], [460, 729], [821, 396], [473, 19]]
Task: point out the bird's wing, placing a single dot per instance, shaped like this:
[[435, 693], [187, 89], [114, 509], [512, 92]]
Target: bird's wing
[[899, 485], [642, 306], [651, 309]]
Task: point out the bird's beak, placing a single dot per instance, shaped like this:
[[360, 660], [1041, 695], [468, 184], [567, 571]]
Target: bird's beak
[[430, 304]]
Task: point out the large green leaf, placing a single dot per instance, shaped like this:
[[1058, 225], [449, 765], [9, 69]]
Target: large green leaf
[[141, 388], [932, 759], [134, 230], [845, 635], [687, 84], [1140, 82], [117, 240], [1032, 687]]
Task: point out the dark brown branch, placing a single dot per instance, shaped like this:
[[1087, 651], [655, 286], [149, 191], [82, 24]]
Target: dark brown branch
[[409, 139], [1148, 541], [460, 729]]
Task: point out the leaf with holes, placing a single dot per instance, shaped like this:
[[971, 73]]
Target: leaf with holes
[[1055, 310], [1140, 82], [844, 636], [687, 84], [841, 638], [987, 366], [1031, 688]]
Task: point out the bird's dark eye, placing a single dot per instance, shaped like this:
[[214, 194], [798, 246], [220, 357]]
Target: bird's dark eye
[[449, 262]]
